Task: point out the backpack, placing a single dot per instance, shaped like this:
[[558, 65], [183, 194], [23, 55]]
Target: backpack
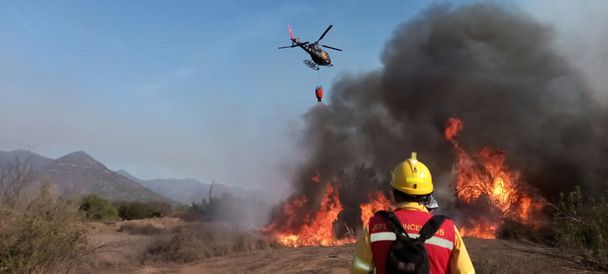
[[408, 255]]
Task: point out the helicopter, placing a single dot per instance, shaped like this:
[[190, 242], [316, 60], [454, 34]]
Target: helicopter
[[319, 57]]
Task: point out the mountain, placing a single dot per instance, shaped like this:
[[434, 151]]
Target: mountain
[[128, 175], [36, 161], [189, 190], [78, 174]]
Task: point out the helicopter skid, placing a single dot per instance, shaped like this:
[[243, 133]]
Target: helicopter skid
[[311, 64]]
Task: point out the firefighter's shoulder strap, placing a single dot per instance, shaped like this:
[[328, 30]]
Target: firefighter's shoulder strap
[[394, 223], [431, 226]]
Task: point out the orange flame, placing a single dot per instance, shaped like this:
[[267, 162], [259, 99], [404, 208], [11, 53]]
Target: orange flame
[[486, 176], [483, 231], [316, 229], [454, 127], [377, 202]]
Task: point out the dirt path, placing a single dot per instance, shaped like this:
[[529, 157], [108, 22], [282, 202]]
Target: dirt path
[[121, 255], [489, 256], [281, 260], [501, 256]]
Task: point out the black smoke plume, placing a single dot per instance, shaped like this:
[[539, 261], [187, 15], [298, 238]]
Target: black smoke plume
[[493, 67]]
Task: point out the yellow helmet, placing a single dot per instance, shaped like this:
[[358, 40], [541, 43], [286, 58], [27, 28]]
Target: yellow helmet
[[412, 177]]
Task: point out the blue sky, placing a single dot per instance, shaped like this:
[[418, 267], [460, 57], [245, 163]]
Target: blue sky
[[180, 88]]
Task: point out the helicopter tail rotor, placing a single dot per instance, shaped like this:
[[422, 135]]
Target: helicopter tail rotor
[[290, 33]]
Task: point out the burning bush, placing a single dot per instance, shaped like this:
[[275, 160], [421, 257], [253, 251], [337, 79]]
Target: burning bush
[[489, 193], [314, 229]]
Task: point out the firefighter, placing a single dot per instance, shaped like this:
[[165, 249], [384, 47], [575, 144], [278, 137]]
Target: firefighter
[[412, 188]]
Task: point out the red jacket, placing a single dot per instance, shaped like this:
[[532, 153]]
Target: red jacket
[[446, 249]]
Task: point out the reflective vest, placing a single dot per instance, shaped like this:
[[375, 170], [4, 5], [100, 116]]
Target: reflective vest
[[439, 247]]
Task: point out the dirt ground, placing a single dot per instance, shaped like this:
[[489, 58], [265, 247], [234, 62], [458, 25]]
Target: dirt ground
[[119, 252]]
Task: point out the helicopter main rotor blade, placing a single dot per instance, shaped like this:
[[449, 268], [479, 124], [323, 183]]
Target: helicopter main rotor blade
[[323, 35], [331, 48], [294, 45]]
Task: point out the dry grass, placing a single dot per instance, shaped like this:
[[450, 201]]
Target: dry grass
[[201, 240], [503, 265], [140, 229], [37, 231]]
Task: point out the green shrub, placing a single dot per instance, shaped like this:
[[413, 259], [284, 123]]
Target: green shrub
[[580, 227], [97, 208], [142, 210]]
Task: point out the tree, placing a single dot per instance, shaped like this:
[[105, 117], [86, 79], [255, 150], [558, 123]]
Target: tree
[[97, 208]]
